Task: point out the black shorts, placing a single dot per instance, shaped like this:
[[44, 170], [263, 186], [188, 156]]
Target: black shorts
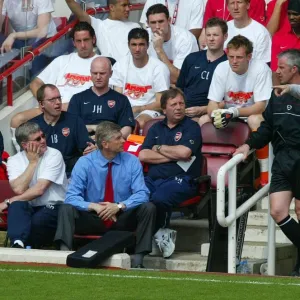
[[284, 172]]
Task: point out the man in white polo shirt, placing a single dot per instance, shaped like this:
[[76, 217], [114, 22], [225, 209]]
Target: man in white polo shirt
[[185, 14], [111, 33], [141, 78], [244, 25], [171, 44], [37, 176]]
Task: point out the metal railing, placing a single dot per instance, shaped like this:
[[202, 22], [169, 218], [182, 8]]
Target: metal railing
[[235, 212], [30, 55]]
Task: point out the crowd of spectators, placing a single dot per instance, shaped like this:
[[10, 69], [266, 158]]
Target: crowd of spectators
[[187, 64]]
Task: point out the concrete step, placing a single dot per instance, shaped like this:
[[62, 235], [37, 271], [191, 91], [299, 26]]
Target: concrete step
[[263, 204], [259, 250], [121, 260], [260, 234], [191, 234], [260, 217], [179, 261]]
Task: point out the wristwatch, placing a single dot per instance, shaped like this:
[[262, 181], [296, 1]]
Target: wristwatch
[[120, 206], [7, 202], [158, 147]]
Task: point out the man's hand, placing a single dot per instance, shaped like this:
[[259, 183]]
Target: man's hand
[[109, 211], [222, 117], [195, 111], [90, 148], [33, 152], [8, 43], [281, 89], [3, 206], [158, 40], [244, 149]]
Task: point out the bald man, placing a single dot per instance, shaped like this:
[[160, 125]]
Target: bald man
[[101, 103]]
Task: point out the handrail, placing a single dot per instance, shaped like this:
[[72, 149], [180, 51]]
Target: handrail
[[233, 212], [7, 74]]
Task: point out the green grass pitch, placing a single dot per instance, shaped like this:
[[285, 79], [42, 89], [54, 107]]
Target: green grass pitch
[[40, 282]]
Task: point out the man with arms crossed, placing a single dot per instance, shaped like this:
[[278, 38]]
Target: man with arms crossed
[[37, 176], [281, 127], [169, 143], [108, 192], [141, 78]]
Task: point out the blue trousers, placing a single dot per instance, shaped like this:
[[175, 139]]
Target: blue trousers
[[168, 193], [34, 226]]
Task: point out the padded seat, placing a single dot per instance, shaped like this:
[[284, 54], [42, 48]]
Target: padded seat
[[6, 193]]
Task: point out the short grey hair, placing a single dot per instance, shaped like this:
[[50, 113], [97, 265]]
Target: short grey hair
[[25, 130], [293, 57], [105, 131]]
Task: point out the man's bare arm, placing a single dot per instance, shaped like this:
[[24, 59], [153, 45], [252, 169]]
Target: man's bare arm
[[213, 105], [255, 109], [33, 192], [174, 72], [21, 183], [35, 85], [152, 106], [196, 32], [78, 11], [126, 130]]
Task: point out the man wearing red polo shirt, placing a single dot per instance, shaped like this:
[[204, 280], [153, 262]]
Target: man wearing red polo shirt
[[289, 40]]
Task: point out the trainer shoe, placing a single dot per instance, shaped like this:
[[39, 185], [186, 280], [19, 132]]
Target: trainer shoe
[[167, 242]]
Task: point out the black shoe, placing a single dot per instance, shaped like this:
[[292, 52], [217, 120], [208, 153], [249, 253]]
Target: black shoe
[[140, 266], [16, 245]]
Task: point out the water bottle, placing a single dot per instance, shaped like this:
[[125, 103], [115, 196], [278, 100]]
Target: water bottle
[[243, 268]]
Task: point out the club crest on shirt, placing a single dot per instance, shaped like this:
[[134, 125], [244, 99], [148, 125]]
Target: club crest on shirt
[[111, 103], [65, 131], [178, 136]]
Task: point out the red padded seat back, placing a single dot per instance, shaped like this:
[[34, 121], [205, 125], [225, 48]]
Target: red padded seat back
[[220, 144], [235, 134]]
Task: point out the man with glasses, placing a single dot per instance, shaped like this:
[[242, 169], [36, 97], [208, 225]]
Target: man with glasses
[[64, 132], [37, 176]]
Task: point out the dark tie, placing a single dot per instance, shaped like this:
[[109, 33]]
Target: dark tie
[[109, 191]]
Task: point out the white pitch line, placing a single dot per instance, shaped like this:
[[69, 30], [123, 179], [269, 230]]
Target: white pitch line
[[152, 277]]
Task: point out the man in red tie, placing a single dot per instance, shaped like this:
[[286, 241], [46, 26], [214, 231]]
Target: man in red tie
[[107, 192]]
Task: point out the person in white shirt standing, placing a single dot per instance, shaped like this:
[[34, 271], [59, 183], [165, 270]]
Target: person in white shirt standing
[[185, 14], [171, 44], [242, 24], [37, 176], [111, 33], [141, 78]]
